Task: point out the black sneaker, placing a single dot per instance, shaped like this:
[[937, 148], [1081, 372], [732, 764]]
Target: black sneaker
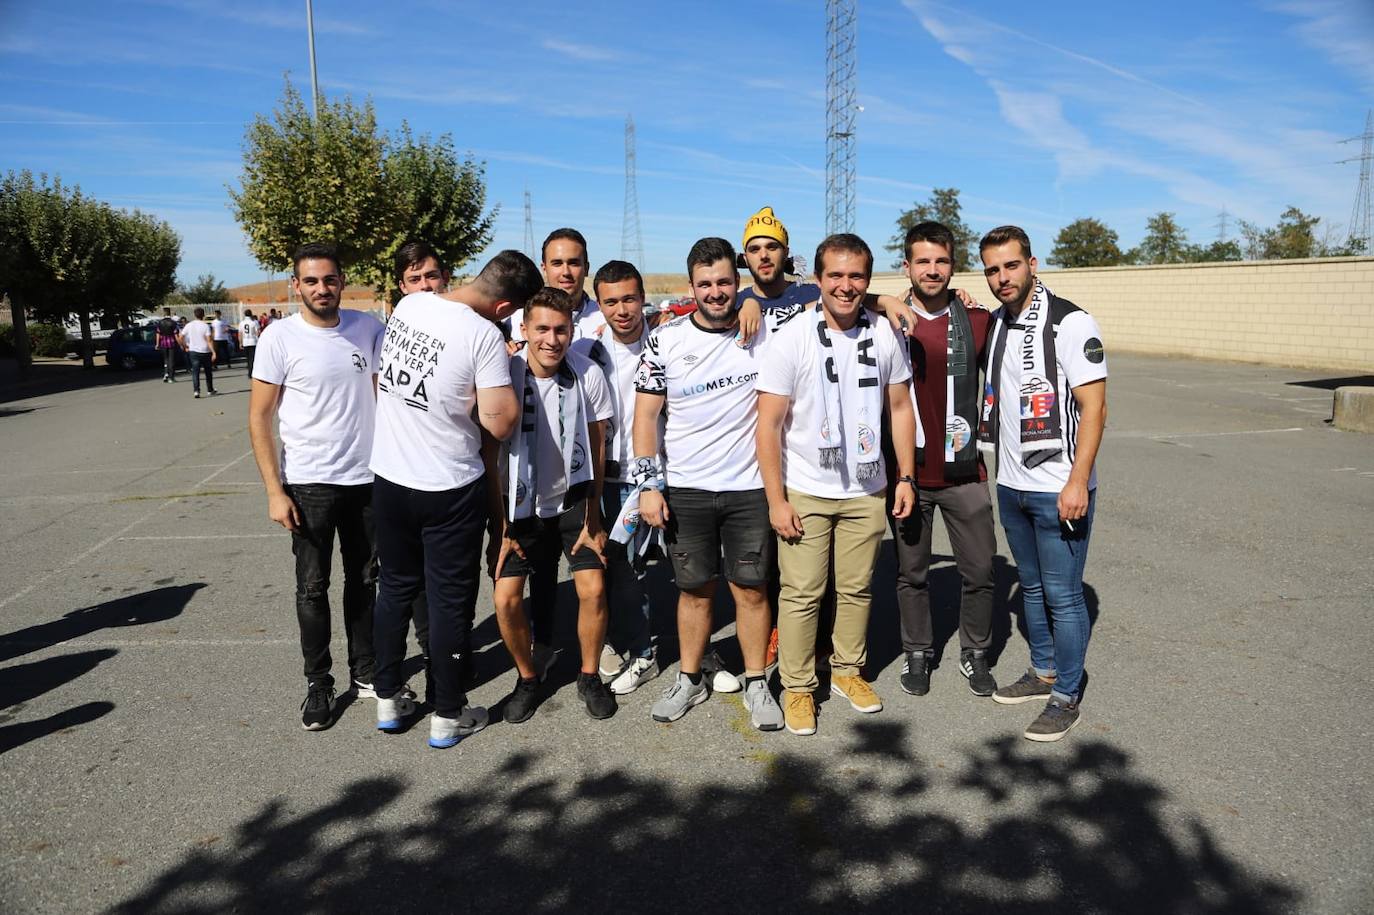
[[973, 663], [522, 702], [1054, 722], [916, 673], [317, 711], [1029, 688], [600, 702]]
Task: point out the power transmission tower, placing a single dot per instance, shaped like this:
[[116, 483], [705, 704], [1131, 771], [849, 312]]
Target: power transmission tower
[[1223, 223], [1359, 213], [631, 239], [841, 107], [529, 227]]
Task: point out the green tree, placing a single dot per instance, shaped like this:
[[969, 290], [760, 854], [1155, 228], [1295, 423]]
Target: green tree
[[206, 290], [1165, 242], [342, 180], [943, 207], [1086, 243], [1217, 251]]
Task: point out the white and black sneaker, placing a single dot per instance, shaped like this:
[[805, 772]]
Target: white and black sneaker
[[722, 681], [973, 664], [916, 673], [317, 711]]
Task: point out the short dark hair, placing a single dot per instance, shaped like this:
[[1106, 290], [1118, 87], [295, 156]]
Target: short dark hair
[[709, 250], [565, 232], [1003, 234], [510, 277], [843, 241], [935, 232], [550, 297], [199, 313], [248, 312], [218, 312], [315, 250], [412, 254], [616, 272]]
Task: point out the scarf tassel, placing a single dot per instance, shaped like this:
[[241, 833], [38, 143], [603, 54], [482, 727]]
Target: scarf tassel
[[831, 458], [867, 470]]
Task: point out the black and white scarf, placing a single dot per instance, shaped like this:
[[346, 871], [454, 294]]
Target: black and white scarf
[[855, 415], [961, 397], [602, 352], [1032, 335], [522, 476]]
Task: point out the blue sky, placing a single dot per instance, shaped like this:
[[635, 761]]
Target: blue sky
[[1038, 113]]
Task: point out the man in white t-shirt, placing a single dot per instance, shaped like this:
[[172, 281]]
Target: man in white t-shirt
[[198, 343], [564, 262], [549, 503], [248, 335], [1044, 409], [441, 358], [219, 331], [315, 373], [830, 377], [616, 344], [710, 500]]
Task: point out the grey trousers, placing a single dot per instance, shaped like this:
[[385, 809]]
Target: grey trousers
[[967, 512]]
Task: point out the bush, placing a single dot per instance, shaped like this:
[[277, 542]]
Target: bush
[[48, 339], [6, 340]]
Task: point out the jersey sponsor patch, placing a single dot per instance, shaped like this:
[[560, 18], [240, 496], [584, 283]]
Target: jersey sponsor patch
[[1092, 350]]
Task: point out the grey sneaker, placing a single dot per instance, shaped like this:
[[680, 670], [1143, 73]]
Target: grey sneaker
[[680, 696], [764, 713], [1054, 722], [1027, 689], [636, 674], [446, 732], [545, 656], [611, 662]]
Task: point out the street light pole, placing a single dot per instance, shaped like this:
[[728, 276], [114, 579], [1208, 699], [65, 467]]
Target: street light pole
[[314, 84]]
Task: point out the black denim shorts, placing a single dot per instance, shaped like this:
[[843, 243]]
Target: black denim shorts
[[543, 539], [704, 527]]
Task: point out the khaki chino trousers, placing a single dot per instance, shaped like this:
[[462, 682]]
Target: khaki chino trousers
[[853, 528]]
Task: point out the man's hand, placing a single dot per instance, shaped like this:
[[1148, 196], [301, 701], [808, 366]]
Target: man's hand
[[1073, 501], [899, 314], [514, 346], [594, 540], [653, 508], [786, 522], [499, 548], [282, 509], [966, 299], [903, 500], [750, 317]]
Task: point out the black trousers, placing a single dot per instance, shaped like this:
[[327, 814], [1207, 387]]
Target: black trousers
[[325, 510], [248, 352], [429, 540], [967, 511], [223, 354]]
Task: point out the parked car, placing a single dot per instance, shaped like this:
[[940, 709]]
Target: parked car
[[136, 347], [73, 327]]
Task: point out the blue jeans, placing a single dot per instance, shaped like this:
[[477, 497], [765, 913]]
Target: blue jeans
[[629, 601], [1049, 562]]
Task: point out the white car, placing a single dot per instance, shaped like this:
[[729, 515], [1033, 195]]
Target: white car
[[73, 327]]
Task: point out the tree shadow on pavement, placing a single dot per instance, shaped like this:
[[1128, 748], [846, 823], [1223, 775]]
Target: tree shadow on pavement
[[874, 830], [155, 606]]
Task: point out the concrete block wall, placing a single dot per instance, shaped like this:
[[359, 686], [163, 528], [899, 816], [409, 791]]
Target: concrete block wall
[[1315, 313]]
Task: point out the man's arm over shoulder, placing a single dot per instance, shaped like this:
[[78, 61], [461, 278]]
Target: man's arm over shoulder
[[498, 409]]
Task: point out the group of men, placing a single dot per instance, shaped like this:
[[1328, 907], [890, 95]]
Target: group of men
[[769, 437]]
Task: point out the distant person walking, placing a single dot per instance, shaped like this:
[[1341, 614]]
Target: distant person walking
[[196, 341], [167, 330], [248, 337], [219, 330]]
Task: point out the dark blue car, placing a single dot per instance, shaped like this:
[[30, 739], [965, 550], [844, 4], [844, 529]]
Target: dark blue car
[[136, 347]]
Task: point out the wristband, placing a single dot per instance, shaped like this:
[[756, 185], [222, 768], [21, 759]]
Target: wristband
[[647, 474], [911, 480]]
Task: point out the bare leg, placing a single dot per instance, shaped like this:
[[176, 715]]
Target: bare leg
[[509, 595], [694, 626], [753, 624], [592, 616]]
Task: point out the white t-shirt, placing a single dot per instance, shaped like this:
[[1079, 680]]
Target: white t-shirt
[[792, 370], [248, 332], [586, 316], [708, 380], [1081, 359], [623, 364], [551, 484], [197, 336], [328, 407], [436, 354], [219, 328]]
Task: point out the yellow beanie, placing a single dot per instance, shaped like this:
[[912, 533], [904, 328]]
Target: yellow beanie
[[766, 224]]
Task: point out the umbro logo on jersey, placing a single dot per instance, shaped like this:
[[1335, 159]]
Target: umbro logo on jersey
[[689, 358]]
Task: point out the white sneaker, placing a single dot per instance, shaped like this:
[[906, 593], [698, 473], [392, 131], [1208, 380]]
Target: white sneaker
[[446, 732], [611, 662], [636, 674], [391, 713], [366, 691], [722, 681]]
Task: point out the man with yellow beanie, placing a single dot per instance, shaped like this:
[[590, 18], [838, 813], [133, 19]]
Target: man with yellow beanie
[[773, 297]]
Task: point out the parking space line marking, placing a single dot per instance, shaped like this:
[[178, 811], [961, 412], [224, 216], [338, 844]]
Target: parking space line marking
[[81, 557], [211, 537]]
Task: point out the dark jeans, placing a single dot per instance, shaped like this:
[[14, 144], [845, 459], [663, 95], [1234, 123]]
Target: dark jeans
[[347, 510], [1049, 562], [629, 602], [169, 362], [224, 354], [429, 540], [967, 511], [248, 352], [198, 362]]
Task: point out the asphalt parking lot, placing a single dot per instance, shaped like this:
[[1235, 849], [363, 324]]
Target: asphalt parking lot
[[152, 759]]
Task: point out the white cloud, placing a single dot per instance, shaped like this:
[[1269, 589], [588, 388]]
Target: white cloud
[[1342, 30]]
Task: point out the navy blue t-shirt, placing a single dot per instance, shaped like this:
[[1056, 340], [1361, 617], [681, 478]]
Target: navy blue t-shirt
[[776, 312]]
